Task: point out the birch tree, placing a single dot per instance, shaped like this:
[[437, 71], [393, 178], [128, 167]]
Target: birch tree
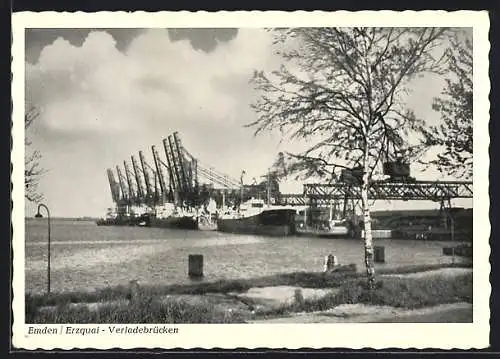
[[32, 169], [454, 134], [343, 91]]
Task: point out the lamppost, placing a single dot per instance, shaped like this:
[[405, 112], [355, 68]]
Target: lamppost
[[39, 215]]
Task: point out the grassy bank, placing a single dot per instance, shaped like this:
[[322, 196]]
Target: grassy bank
[[147, 305], [408, 293], [145, 310]]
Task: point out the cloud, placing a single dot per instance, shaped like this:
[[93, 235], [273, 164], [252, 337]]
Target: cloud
[[101, 105], [203, 38], [155, 77]]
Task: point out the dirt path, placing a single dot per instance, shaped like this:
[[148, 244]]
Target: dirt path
[[355, 313], [450, 315]]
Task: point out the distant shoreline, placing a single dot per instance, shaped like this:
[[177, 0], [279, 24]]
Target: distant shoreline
[[83, 219]]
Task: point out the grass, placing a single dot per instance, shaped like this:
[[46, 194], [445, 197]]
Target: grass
[[145, 310], [304, 279], [300, 279], [407, 293], [148, 308]]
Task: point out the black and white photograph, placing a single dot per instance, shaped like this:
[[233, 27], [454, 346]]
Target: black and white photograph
[[234, 169]]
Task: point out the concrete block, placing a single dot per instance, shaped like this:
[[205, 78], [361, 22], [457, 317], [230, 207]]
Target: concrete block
[[379, 254], [195, 265]]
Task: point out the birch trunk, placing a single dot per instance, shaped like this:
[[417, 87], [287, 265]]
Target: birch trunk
[[368, 240]]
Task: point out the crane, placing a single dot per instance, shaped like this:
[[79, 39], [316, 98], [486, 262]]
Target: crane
[[140, 189]]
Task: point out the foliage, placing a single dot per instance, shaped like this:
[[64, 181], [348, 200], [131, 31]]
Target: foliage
[[454, 133], [343, 90], [32, 169]]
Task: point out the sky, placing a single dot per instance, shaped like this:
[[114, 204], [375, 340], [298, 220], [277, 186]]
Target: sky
[[105, 94]]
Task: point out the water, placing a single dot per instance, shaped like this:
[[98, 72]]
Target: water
[[85, 256]]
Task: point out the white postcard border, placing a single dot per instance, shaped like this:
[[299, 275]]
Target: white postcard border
[[291, 336]]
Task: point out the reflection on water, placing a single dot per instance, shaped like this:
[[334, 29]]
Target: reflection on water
[[85, 256]]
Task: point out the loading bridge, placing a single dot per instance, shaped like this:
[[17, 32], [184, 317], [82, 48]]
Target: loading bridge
[[385, 190], [114, 186], [164, 189], [128, 175], [147, 180], [177, 165], [185, 174], [292, 199], [323, 194], [138, 178], [209, 175], [124, 197], [176, 179], [216, 179]]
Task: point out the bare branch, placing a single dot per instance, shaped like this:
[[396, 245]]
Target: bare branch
[[32, 169]]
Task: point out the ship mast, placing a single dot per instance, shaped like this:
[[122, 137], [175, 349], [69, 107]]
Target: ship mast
[[241, 183], [268, 186]]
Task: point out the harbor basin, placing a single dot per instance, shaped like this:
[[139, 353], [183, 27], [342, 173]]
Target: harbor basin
[[85, 256]]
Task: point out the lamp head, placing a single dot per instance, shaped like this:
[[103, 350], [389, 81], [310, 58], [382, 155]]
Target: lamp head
[[38, 215]]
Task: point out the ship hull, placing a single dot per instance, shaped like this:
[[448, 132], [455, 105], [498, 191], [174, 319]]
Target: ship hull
[[184, 222], [271, 223], [326, 233], [206, 223], [124, 221]]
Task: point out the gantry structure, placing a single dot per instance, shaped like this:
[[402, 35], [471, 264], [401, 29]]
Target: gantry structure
[[177, 177], [437, 191]]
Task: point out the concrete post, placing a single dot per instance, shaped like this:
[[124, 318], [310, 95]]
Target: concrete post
[[195, 268], [330, 262], [379, 254]]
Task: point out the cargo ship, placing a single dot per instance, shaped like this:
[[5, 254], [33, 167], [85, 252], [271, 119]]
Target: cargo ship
[[312, 223], [113, 218], [256, 217], [166, 216], [207, 216], [169, 216], [335, 228]]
